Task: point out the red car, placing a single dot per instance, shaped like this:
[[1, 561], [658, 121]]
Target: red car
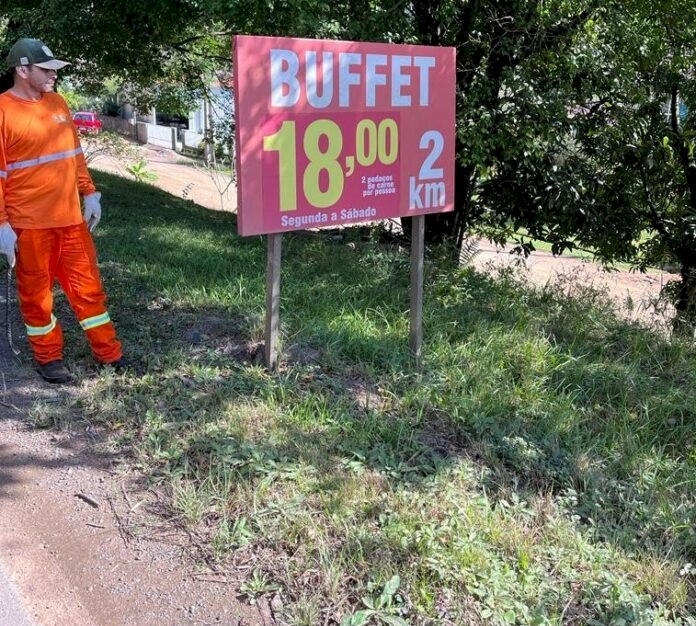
[[87, 122]]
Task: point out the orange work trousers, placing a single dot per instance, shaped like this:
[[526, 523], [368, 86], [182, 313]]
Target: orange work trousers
[[68, 255]]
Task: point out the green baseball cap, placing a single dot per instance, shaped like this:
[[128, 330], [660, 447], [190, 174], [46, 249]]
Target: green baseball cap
[[33, 52]]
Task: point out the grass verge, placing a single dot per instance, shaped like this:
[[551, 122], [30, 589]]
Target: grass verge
[[541, 470]]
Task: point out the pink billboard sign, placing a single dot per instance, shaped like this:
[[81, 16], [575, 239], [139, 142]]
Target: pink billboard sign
[[338, 132]]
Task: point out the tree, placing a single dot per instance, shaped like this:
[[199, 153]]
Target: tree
[[575, 120], [646, 141], [158, 49], [620, 178]]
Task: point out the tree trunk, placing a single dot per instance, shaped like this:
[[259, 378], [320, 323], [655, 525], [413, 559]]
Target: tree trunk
[[685, 302]]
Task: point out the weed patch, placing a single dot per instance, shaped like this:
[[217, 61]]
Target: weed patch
[[541, 469]]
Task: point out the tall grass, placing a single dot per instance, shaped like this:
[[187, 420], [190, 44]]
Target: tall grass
[[540, 470]]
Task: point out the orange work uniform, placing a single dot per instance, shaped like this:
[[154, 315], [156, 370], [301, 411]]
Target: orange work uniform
[[42, 174]]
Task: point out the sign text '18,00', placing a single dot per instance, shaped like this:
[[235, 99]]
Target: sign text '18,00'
[[322, 144]]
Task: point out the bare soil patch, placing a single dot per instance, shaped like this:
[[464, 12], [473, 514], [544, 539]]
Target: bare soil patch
[[178, 175]]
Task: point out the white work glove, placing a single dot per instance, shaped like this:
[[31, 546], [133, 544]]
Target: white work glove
[[8, 242], [92, 210]]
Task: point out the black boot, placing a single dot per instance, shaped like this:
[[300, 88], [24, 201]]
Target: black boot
[[55, 372]]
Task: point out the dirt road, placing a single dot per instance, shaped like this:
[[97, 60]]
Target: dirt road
[[179, 175], [74, 547], [77, 544], [636, 295]]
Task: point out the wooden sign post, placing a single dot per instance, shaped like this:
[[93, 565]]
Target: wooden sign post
[[415, 337], [335, 133], [273, 299]]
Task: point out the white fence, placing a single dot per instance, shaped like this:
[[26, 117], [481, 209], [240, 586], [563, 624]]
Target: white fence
[[162, 136], [191, 140]]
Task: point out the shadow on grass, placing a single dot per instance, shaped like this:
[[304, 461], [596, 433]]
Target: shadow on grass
[[551, 394]]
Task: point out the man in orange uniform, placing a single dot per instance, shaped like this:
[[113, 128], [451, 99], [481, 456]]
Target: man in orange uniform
[[42, 176]]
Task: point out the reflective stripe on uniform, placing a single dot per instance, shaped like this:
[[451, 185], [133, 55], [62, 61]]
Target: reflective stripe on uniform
[[3, 174], [40, 331], [93, 322], [56, 156]]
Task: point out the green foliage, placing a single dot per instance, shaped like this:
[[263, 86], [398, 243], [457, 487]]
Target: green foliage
[[112, 37], [575, 121], [74, 100], [108, 144], [138, 170], [229, 537], [256, 585], [621, 162], [158, 51], [381, 609]]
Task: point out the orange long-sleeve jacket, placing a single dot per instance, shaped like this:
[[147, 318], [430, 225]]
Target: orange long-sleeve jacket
[[42, 167]]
